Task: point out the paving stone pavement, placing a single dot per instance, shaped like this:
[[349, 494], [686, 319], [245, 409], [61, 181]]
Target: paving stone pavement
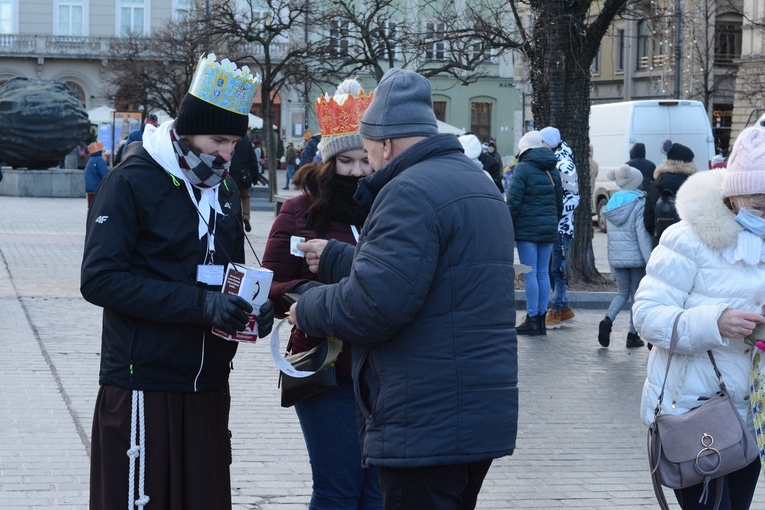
[[580, 443]]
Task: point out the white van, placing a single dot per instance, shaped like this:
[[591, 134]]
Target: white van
[[616, 127]]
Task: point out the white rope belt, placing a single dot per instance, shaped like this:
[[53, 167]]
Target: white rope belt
[[137, 449]]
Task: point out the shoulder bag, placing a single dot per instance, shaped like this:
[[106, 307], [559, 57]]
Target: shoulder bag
[[703, 444], [321, 360]]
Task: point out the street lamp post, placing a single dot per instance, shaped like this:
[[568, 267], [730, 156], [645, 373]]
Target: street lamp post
[[678, 43]]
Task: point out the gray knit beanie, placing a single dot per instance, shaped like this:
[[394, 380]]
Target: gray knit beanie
[[626, 177], [402, 107]]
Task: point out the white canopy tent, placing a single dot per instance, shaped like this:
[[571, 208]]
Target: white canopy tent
[[255, 122], [100, 115], [443, 127], [103, 115]]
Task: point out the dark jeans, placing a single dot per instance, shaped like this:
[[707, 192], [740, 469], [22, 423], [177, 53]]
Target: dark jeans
[[329, 426], [449, 487], [290, 175], [738, 491]]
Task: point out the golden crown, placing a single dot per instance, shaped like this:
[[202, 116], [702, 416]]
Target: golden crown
[[224, 85], [95, 147], [341, 117]]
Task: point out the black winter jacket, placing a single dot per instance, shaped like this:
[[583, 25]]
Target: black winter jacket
[[243, 161], [140, 263], [430, 308], [669, 175], [535, 196], [646, 166]]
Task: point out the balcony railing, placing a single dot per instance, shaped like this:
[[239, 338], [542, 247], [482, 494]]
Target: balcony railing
[[52, 46]]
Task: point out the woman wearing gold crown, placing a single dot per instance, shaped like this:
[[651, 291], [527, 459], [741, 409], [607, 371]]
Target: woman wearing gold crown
[[326, 210]]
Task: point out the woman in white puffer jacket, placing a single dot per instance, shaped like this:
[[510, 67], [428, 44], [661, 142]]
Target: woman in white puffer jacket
[[710, 268]]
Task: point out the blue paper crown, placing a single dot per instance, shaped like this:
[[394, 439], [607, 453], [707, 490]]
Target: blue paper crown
[[223, 85]]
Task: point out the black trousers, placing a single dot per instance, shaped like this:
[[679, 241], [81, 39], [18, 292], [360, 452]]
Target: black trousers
[[448, 487], [738, 491]]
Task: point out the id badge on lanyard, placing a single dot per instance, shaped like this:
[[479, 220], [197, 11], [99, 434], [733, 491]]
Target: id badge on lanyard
[[210, 273]]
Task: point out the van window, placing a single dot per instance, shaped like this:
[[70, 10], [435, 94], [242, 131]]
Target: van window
[[693, 121], [650, 119]]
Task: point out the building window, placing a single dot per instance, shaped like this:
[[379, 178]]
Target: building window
[[70, 17], [439, 108], [643, 45], [183, 9], [480, 52], [77, 90], [338, 39], [131, 18], [480, 120], [620, 50], [727, 42], [6, 16], [387, 47], [435, 35]]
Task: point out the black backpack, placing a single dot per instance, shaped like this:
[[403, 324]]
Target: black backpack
[[664, 213]]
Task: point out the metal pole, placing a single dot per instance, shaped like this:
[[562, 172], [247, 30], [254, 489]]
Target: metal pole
[[678, 43]]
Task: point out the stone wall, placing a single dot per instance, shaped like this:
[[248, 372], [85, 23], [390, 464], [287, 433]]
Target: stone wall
[[64, 183]]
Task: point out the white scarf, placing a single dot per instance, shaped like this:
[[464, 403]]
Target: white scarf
[[160, 147], [749, 249]]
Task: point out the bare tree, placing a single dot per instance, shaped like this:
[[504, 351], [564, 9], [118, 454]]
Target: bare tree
[[155, 72], [562, 41], [435, 39], [749, 83], [272, 39], [710, 69]]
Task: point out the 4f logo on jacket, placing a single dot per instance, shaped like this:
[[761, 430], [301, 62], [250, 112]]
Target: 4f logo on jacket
[[102, 219]]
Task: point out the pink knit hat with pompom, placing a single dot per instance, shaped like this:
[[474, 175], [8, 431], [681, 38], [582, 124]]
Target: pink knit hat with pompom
[[746, 165]]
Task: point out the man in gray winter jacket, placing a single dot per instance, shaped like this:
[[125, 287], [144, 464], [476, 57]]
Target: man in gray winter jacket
[[426, 300]]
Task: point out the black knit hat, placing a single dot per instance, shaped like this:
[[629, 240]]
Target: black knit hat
[[677, 151], [198, 117]]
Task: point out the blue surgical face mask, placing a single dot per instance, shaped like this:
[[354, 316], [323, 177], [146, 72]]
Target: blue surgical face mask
[[751, 222]]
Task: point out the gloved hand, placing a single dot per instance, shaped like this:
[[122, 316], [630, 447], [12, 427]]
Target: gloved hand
[[265, 318], [301, 287], [227, 312]]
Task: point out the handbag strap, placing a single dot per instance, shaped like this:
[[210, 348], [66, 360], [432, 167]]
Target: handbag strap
[[659, 491], [551, 179], [672, 345], [655, 456]]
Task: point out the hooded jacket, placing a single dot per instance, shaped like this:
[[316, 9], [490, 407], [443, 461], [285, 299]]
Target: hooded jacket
[[142, 250], [688, 273], [629, 245], [670, 175], [429, 305], [95, 171], [535, 196], [646, 166]]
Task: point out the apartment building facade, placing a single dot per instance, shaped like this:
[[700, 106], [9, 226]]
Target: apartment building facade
[[716, 40], [74, 41]]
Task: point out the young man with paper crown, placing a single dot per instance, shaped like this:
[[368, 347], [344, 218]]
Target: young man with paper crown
[[428, 306], [160, 232]]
